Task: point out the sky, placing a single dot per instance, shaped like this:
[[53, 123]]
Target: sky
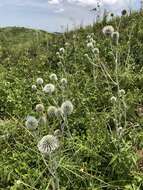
[[56, 15]]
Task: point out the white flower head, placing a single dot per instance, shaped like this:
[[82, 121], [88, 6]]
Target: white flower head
[[113, 99], [34, 87], [67, 107], [53, 77], [64, 82], [57, 133], [58, 54], [48, 144], [39, 108], [121, 92], [115, 35], [49, 88], [62, 50], [51, 111], [39, 81], [90, 45], [95, 50], [108, 30], [31, 123], [67, 44]]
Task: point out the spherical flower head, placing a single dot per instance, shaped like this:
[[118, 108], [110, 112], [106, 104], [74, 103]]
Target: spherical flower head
[[112, 14], [57, 133], [120, 131], [58, 54], [108, 30], [51, 111], [67, 44], [95, 51], [113, 99], [31, 123], [59, 112], [62, 50], [124, 12], [53, 77], [48, 144], [115, 36], [67, 107], [34, 87], [39, 108], [121, 93], [18, 182], [39, 81], [90, 45], [49, 88], [64, 82]]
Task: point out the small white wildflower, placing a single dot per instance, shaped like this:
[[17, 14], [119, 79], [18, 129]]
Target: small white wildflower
[[113, 99], [120, 131], [53, 77], [64, 82], [86, 55], [62, 50], [31, 123], [67, 44], [49, 88], [67, 107], [90, 45], [58, 54], [122, 92], [108, 30], [95, 50], [34, 87], [59, 112], [48, 144], [39, 108], [51, 111], [115, 36], [39, 81], [57, 133], [88, 36], [18, 182]]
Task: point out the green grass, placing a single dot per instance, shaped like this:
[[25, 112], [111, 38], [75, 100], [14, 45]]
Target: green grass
[[93, 154]]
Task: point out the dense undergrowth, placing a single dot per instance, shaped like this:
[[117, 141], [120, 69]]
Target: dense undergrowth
[[102, 146]]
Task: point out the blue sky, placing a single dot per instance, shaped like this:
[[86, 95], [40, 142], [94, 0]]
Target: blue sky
[[54, 15]]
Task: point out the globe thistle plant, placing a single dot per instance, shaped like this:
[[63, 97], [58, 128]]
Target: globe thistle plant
[[48, 144], [95, 51], [67, 107], [34, 87], [49, 88], [31, 123], [64, 82], [53, 77], [57, 133], [108, 30], [115, 36], [113, 99], [39, 81], [121, 92], [90, 45], [62, 50], [51, 111], [39, 108]]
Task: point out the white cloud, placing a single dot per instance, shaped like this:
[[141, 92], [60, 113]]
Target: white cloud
[[54, 2], [60, 10]]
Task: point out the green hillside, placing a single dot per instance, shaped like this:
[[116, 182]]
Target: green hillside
[[101, 136]]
